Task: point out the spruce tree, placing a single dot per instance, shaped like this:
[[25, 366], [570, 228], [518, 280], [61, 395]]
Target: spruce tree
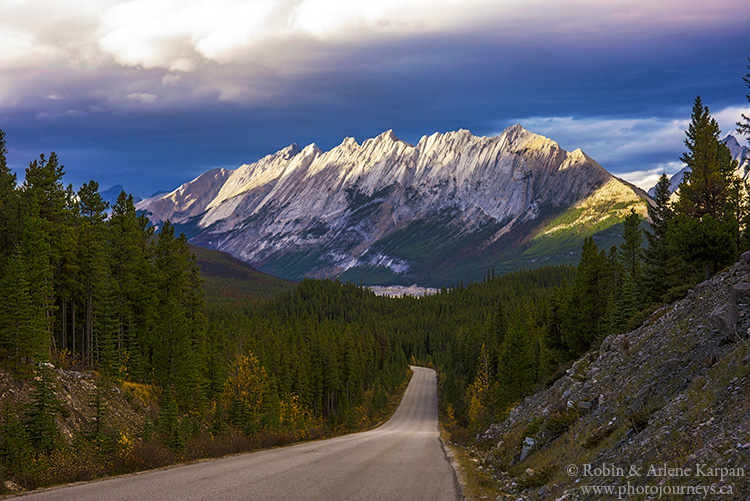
[[27, 296], [706, 226], [106, 328], [132, 356], [554, 318], [16, 453], [624, 305], [631, 251], [586, 311], [516, 368], [98, 404], [168, 421], [661, 261], [9, 207], [92, 256], [180, 324], [43, 184], [705, 190], [132, 276], [44, 195], [500, 326], [22, 323], [41, 425]]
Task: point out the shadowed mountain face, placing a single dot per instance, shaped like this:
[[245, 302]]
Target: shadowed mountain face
[[389, 212]]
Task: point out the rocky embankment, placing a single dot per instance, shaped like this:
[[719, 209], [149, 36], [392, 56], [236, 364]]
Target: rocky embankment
[[660, 412], [128, 405]]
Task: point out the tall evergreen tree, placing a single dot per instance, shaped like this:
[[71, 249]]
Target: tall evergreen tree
[[41, 426], [516, 370], [22, 326], [554, 319], [169, 421], [631, 250], [743, 127], [586, 310], [43, 185], [179, 333], [133, 280], [92, 255], [27, 296], [107, 328], [9, 206], [661, 262], [707, 225], [625, 303], [98, 404], [43, 193], [500, 326], [705, 190]]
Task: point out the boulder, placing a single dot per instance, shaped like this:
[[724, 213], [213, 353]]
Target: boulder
[[12, 486], [724, 318], [528, 446], [584, 406], [741, 293]]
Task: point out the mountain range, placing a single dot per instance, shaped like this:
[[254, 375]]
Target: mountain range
[[388, 212]]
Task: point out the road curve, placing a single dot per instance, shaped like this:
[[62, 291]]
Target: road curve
[[401, 460]]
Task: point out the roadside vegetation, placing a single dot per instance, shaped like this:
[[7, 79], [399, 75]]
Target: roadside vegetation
[[99, 292], [103, 293]]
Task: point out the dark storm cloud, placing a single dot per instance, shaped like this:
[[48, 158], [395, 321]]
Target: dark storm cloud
[[152, 105]]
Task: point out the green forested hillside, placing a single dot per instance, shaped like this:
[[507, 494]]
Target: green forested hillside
[[106, 296], [227, 279]]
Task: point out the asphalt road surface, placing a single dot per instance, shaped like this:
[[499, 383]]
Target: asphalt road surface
[[401, 460]]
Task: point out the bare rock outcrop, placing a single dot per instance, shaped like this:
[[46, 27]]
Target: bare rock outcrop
[[677, 397]]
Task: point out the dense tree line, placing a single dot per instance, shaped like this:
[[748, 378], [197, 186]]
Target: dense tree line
[[96, 287], [496, 341], [92, 287]]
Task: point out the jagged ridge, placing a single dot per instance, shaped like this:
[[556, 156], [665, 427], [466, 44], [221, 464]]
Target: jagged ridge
[[356, 208]]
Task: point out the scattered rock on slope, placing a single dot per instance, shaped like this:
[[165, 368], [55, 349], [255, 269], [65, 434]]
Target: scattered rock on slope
[[674, 393]]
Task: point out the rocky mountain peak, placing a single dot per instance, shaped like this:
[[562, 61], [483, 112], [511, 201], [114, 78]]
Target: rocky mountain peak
[[341, 208], [731, 143], [388, 135], [290, 151], [515, 131], [189, 199]]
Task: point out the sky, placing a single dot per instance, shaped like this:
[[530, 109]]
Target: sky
[[149, 94]]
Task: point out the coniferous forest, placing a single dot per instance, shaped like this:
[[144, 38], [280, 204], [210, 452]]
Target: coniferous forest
[[88, 287]]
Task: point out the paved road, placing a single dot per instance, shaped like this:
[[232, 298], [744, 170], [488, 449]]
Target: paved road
[[401, 460]]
